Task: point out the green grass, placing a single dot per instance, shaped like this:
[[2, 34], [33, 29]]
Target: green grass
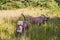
[[48, 31]]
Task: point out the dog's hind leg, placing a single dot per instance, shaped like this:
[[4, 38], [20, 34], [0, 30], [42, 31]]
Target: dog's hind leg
[[38, 24]]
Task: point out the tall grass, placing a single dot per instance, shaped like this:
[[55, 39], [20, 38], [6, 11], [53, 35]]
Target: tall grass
[[48, 31]]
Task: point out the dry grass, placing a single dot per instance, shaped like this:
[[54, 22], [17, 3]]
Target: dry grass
[[26, 11]]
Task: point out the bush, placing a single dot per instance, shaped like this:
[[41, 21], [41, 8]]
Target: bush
[[25, 3], [18, 4]]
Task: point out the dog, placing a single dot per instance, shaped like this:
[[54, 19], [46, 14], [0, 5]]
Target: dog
[[38, 20]]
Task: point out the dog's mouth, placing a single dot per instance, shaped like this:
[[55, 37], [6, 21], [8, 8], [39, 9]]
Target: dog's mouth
[[20, 27]]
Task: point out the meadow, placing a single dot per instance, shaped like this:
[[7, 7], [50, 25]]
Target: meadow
[[47, 31]]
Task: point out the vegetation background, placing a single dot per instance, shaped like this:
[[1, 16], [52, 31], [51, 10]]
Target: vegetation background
[[13, 4], [10, 11]]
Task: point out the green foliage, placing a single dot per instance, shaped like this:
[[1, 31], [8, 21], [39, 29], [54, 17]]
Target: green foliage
[[25, 3], [18, 4], [58, 1]]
